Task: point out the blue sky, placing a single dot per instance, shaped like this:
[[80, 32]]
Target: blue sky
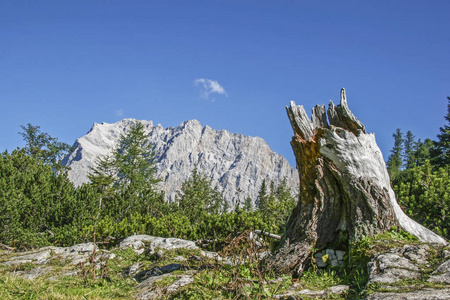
[[231, 65]]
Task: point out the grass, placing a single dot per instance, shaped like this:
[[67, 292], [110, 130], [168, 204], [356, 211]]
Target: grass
[[12, 287]]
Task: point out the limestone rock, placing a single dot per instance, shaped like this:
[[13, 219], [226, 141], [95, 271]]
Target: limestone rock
[[39, 257], [329, 292], [138, 242], [411, 263], [232, 161], [441, 274], [146, 291], [33, 273], [421, 294]]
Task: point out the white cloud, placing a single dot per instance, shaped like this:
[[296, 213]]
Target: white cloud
[[208, 87], [119, 112]]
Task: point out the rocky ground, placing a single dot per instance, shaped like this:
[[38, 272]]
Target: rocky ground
[[156, 268], [410, 272]]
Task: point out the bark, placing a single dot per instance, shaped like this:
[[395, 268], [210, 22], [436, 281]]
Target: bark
[[345, 190]]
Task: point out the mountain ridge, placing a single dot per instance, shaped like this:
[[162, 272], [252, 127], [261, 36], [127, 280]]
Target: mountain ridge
[[236, 163]]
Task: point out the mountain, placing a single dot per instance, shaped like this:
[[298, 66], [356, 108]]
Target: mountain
[[234, 162]]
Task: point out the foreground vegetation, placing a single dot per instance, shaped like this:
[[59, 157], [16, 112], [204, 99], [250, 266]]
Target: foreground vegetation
[[241, 279], [39, 206]]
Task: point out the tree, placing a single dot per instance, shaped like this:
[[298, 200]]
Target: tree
[[197, 196], [134, 159], [275, 204], [41, 145], [261, 201], [395, 162], [102, 175], [409, 146], [128, 177], [422, 151], [248, 204], [441, 151]]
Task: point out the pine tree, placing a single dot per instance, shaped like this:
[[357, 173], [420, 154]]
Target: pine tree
[[261, 201], [134, 160], [127, 177], [441, 151], [197, 196], [102, 175], [248, 204], [409, 146], [422, 151], [395, 162]]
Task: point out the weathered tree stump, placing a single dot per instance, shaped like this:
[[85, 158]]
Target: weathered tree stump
[[345, 190]]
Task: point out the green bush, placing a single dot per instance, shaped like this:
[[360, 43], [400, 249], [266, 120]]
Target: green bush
[[35, 202], [424, 195]]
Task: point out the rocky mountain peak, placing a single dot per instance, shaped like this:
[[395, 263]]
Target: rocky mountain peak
[[237, 164]]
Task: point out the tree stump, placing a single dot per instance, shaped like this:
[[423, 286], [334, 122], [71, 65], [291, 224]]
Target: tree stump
[[345, 190]]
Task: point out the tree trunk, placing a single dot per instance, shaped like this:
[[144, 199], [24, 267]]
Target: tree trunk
[[345, 190]]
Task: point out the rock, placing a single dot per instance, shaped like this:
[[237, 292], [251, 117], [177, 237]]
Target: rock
[[340, 256], [147, 279], [337, 290], [81, 248], [417, 254], [421, 294], [320, 262], [409, 262], [181, 281], [139, 241], [441, 274], [76, 254], [136, 242], [171, 243], [329, 257], [68, 273], [391, 267], [40, 257], [156, 271], [132, 270], [329, 292], [33, 273], [146, 290], [446, 254], [232, 161]]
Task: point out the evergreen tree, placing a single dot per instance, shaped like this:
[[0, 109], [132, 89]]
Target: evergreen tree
[[395, 162], [41, 145], [197, 196], [134, 160], [248, 204], [422, 151], [102, 175], [441, 151], [127, 177], [276, 204], [409, 146], [261, 201]]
